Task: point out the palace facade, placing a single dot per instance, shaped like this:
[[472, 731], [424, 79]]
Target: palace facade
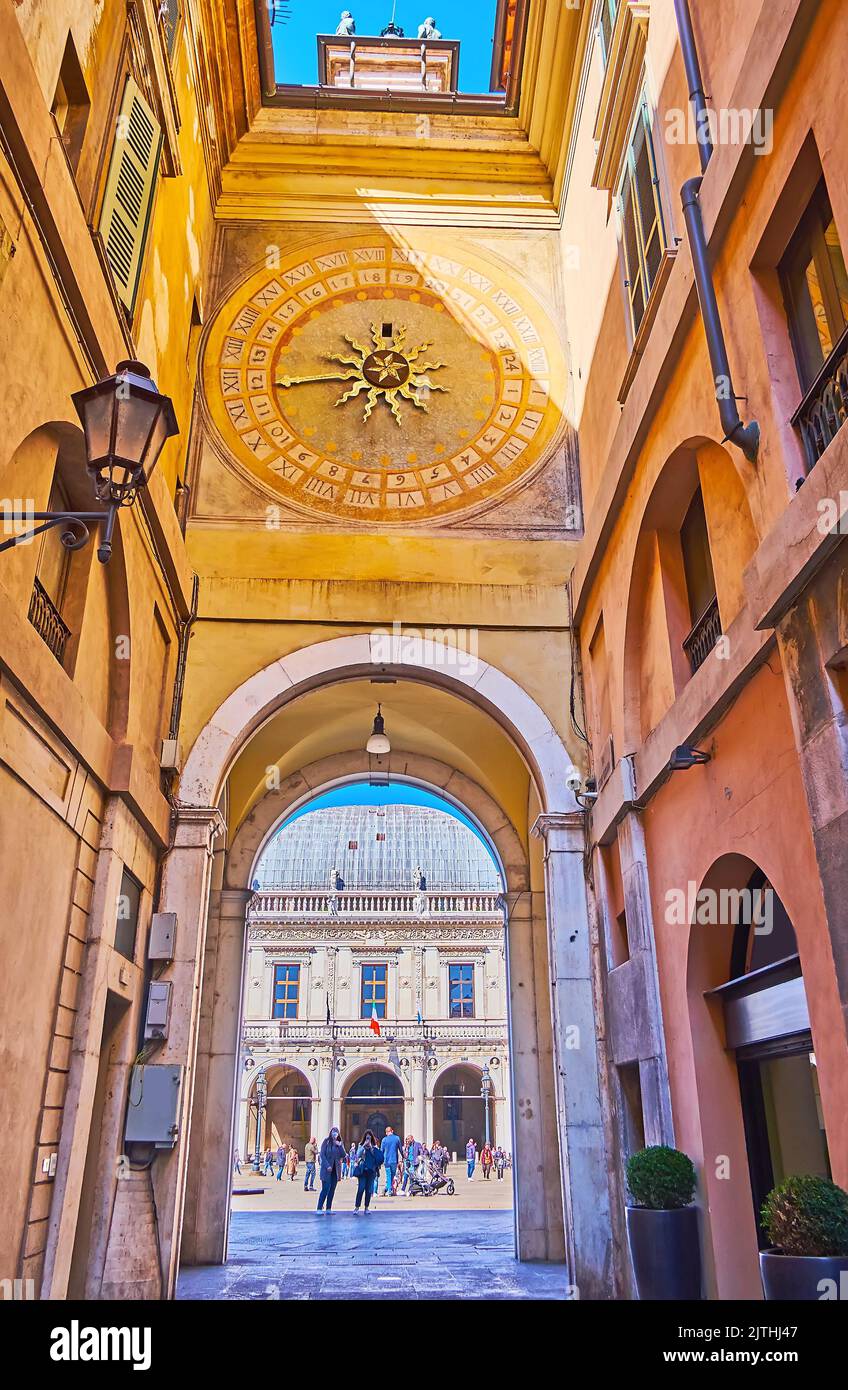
[[429, 963]]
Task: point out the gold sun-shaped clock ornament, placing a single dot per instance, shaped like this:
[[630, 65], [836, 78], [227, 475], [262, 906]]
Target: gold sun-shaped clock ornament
[[387, 370]]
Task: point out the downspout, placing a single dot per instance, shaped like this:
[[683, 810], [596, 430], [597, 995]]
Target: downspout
[[745, 437], [697, 95], [266, 48]]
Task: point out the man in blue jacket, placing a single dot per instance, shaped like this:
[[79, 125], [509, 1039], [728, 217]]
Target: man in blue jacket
[[391, 1147]]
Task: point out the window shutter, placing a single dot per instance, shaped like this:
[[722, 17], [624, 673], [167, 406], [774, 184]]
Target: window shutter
[[128, 198]]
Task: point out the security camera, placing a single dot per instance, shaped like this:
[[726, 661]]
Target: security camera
[[574, 779]]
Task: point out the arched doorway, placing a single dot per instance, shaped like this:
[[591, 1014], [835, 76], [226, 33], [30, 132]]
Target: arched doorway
[[459, 1110], [288, 1108], [490, 733], [373, 1100]]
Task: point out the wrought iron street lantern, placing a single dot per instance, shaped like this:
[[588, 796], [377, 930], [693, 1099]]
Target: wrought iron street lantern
[[126, 423], [485, 1092], [261, 1094]]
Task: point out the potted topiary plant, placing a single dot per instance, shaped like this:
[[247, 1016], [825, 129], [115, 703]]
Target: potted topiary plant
[[806, 1220], [662, 1226]]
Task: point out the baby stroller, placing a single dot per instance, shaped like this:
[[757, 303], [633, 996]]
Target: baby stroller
[[428, 1185]]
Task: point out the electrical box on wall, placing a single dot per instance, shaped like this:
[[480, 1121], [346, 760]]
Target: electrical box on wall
[[158, 1010], [170, 758], [163, 936], [153, 1110]]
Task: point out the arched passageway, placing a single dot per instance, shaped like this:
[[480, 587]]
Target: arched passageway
[[498, 732], [286, 1113], [372, 1101], [459, 1110]]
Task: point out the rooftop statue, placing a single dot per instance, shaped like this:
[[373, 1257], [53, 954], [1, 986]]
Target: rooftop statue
[[346, 24], [428, 29]]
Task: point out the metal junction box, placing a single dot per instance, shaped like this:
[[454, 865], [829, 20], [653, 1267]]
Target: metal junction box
[[158, 1010], [153, 1108], [163, 935]]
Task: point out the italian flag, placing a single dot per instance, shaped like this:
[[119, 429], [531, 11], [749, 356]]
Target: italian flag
[[375, 1022]]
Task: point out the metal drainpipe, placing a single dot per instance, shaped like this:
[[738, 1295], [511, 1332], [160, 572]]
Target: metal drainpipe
[[745, 437], [697, 95], [266, 48]]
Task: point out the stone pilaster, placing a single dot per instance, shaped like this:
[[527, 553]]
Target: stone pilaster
[[586, 1202]]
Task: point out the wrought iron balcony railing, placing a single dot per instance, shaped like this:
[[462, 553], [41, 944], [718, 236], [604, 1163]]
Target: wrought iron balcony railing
[[824, 409], [47, 621], [371, 904], [703, 636]]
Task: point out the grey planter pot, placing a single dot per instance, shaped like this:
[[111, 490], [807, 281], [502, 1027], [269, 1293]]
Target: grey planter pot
[[798, 1277], [665, 1249]]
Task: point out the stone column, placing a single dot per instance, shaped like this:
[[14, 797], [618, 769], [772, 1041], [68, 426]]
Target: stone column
[[419, 1119], [325, 1097], [185, 891], [207, 1204], [586, 1202]]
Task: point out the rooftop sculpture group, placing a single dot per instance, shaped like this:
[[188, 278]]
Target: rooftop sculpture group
[[347, 28]]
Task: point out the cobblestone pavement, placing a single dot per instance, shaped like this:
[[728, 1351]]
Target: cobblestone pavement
[[410, 1252]]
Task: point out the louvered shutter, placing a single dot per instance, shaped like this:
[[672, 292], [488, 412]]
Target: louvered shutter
[[129, 190]]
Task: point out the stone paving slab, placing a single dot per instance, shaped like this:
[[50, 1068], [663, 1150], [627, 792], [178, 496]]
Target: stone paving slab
[[423, 1254]]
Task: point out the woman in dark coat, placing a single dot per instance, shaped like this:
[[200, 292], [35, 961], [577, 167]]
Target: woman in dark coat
[[369, 1157], [332, 1153]]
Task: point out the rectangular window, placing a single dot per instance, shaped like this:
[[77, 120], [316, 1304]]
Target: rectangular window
[[126, 923], [606, 24], [169, 15], [128, 198], [71, 104], [375, 990], [461, 990], [640, 215], [815, 287], [286, 990]]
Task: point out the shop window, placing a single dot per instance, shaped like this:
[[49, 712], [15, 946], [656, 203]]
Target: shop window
[[374, 990], [71, 105], [461, 990], [640, 217], [286, 991], [700, 584], [815, 288]]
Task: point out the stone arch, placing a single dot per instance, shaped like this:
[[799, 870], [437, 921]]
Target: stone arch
[[248, 707], [550, 964]]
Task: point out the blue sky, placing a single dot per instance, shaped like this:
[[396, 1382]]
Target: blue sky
[[472, 24], [396, 794]]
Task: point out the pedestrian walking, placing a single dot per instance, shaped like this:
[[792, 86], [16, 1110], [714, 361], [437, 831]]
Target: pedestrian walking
[[410, 1158], [236, 1161], [332, 1153], [471, 1158], [366, 1169], [390, 1147], [351, 1159], [486, 1161], [292, 1161], [500, 1162], [310, 1153], [269, 1163], [281, 1160]]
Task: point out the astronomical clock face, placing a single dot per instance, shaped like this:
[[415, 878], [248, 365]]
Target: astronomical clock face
[[364, 380]]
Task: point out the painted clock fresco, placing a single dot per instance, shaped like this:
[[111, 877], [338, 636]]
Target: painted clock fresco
[[363, 379]]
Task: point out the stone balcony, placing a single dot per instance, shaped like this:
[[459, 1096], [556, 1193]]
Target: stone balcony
[[367, 905], [278, 1032]]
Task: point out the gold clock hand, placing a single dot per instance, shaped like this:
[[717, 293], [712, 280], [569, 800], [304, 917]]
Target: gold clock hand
[[326, 376]]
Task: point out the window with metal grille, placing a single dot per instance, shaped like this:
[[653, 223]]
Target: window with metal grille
[[375, 989], [640, 216], [126, 923], [286, 990], [815, 287], [461, 990]]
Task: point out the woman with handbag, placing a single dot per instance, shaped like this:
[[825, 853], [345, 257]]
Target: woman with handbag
[[332, 1152], [369, 1158]]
